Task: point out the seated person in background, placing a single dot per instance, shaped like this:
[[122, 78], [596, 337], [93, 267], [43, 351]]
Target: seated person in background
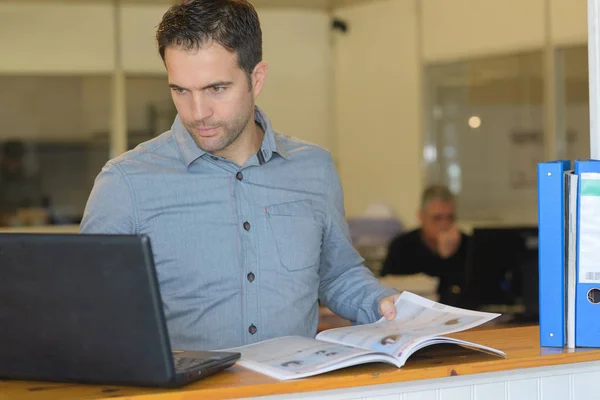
[[437, 248]]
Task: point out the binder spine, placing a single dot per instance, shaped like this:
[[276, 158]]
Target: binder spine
[[551, 252], [587, 284], [571, 183]]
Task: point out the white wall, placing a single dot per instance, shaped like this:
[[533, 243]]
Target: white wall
[[52, 38], [377, 101], [298, 91], [568, 21], [138, 29], [454, 29]]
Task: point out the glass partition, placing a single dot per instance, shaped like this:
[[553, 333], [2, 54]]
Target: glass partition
[[485, 134]]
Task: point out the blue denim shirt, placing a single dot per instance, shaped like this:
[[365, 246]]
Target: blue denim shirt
[[242, 253]]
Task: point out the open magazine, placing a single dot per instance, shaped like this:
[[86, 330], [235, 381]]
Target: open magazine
[[419, 323]]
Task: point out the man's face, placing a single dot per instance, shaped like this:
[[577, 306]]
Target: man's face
[[212, 95], [437, 216]]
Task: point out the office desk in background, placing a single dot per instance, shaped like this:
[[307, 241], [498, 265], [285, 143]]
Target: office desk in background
[[439, 372]]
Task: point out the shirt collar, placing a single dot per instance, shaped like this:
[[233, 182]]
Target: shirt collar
[[191, 152], [187, 147], [270, 142]]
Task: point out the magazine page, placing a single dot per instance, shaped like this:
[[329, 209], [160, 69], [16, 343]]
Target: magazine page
[[429, 341], [417, 319], [293, 357]]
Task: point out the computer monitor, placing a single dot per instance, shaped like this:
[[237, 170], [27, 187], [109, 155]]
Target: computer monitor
[[502, 270]]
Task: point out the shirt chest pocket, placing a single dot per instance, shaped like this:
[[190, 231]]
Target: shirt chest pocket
[[297, 234]]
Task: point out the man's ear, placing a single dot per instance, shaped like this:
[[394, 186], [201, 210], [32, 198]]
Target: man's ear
[[259, 75]]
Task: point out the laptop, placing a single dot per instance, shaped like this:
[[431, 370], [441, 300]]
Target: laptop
[[87, 308]]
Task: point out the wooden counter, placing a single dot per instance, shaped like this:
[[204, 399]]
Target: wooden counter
[[520, 344]]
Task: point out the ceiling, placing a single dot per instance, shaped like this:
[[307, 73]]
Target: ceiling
[[310, 4]]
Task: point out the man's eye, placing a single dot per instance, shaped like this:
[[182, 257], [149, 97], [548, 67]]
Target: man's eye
[[179, 90], [218, 89]]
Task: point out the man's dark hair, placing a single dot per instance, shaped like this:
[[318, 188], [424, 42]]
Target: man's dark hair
[[234, 24]]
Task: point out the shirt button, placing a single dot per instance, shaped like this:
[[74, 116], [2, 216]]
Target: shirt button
[[214, 158], [251, 277], [239, 176], [247, 225], [252, 329]]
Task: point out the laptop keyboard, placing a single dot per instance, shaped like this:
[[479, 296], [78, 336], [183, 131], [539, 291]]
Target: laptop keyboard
[[186, 364]]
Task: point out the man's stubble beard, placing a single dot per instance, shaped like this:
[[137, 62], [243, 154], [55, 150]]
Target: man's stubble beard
[[231, 133]]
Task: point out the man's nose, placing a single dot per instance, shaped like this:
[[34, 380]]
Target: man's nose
[[446, 222], [201, 108]]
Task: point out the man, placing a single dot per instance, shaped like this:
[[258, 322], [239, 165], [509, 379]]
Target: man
[[437, 248], [247, 225]]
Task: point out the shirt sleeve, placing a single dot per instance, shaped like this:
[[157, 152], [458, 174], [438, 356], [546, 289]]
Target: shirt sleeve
[[347, 287], [110, 207]]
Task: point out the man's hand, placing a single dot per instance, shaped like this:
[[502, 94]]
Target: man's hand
[[387, 307], [449, 242]]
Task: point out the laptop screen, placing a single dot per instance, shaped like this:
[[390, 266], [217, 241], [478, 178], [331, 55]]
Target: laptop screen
[[81, 307]]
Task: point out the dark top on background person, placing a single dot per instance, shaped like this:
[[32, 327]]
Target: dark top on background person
[[437, 248]]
